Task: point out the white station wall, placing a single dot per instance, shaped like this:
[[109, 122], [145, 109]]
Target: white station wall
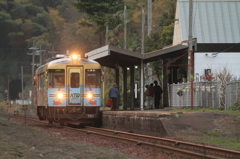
[[206, 60]]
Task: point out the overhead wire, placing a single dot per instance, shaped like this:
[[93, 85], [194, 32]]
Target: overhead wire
[[19, 67], [216, 53]]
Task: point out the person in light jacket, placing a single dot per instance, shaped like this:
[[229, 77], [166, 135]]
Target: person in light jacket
[[114, 94], [150, 96]]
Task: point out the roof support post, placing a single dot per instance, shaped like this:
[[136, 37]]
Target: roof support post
[[141, 84], [164, 99], [132, 86], [117, 82], [125, 26], [124, 88], [190, 50], [142, 51]]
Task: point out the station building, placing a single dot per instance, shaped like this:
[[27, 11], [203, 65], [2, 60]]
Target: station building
[[216, 38]]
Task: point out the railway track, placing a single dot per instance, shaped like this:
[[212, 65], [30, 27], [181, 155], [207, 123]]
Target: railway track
[[186, 149], [182, 148]]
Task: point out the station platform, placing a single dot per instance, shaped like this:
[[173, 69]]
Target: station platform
[[157, 122], [145, 122]]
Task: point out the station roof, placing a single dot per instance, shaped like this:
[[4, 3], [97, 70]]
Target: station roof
[[110, 56]]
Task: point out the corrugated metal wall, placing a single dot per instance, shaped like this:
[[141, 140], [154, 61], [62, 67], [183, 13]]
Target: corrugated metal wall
[[232, 93], [213, 21]]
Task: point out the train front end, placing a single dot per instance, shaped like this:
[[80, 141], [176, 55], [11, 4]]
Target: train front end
[[74, 90]]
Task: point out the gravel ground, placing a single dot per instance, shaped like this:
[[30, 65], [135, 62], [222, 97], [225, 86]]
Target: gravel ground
[[35, 141]]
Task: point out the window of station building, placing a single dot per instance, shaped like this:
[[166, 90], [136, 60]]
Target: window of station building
[[74, 80], [56, 78], [93, 78]]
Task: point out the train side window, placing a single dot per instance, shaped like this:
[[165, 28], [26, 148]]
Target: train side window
[[74, 80], [56, 78], [93, 78], [41, 81]]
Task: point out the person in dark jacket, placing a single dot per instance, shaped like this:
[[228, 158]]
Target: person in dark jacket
[[114, 94], [157, 95]]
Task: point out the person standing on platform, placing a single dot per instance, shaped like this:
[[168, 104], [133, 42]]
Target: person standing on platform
[[114, 94], [157, 94], [150, 95]]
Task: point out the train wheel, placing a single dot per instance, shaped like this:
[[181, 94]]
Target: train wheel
[[41, 112], [98, 120], [81, 125]]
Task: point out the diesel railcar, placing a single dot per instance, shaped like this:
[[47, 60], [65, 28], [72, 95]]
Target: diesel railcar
[[68, 90]]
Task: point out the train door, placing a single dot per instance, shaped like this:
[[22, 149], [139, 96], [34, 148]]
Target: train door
[[75, 85]]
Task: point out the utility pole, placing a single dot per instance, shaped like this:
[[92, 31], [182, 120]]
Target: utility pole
[[22, 85], [143, 23], [149, 16], [106, 38], [142, 51], [53, 52], [125, 26], [40, 55], [33, 65], [8, 101], [190, 50], [149, 24]]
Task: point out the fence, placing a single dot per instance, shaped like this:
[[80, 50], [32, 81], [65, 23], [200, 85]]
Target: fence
[[232, 93], [206, 94], [23, 102]]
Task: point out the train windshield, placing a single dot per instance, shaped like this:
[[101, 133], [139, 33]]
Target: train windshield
[[74, 80], [56, 78], [93, 78]]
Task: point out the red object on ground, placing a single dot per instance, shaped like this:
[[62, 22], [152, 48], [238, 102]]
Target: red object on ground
[[109, 102]]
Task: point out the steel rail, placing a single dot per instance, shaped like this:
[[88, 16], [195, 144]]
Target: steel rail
[[162, 148], [181, 144]]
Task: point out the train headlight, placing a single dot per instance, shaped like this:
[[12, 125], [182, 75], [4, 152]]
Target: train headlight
[[90, 95], [74, 56], [60, 95]]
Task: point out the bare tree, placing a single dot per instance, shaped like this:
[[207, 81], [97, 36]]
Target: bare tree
[[224, 75]]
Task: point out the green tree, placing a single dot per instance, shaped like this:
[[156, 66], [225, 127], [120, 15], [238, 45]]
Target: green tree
[[97, 13], [166, 36], [45, 4]]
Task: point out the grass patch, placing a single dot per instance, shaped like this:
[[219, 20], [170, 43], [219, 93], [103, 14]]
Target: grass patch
[[202, 109], [233, 144], [212, 132], [212, 137]]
